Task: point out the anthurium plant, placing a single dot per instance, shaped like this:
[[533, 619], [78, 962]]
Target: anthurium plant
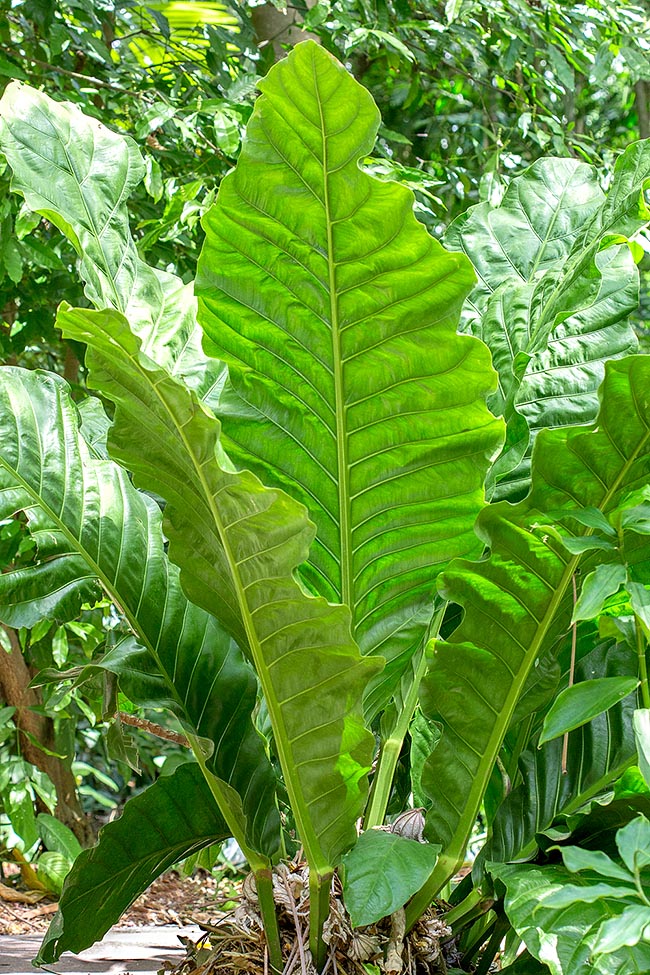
[[308, 473]]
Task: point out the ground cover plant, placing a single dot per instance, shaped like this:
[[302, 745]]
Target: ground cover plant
[[286, 517]]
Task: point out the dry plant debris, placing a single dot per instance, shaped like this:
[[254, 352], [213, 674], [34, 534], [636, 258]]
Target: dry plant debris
[[172, 899], [234, 943]]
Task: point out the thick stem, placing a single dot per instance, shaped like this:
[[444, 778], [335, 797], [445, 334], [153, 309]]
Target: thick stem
[[319, 908], [467, 910], [260, 865], [642, 96], [643, 663], [264, 885], [444, 869], [383, 780], [572, 668], [392, 747]]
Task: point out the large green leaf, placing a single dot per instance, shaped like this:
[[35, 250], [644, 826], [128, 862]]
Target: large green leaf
[[172, 819], [238, 544], [95, 532], [79, 174], [551, 308], [541, 215], [336, 313], [518, 602], [597, 755]]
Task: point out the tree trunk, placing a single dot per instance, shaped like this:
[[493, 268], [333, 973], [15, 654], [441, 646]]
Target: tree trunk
[[275, 28], [16, 692]]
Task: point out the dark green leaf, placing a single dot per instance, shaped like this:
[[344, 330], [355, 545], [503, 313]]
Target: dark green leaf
[[172, 819], [576, 705], [382, 872]]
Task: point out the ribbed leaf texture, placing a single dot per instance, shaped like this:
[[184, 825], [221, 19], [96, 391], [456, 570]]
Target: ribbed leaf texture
[[238, 544], [173, 818], [598, 753], [518, 602], [79, 175], [94, 532], [568, 938], [336, 313], [552, 308]]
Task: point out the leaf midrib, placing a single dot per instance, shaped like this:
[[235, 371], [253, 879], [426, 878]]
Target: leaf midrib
[[340, 409], [456, 847], [282, 741]]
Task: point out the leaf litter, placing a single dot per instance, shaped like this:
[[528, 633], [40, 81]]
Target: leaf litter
[[234, 944]]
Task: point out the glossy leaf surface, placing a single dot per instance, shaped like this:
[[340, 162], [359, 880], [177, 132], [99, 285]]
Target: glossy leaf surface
[[590, 915], [518, 602], [157, 828], [579, 704], [337, 313], [79, 174], [597, 755], [551, 307], [96, 533]]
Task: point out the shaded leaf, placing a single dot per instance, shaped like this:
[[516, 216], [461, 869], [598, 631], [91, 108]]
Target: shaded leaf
[[518, 602], [156, 829], [94, 533]]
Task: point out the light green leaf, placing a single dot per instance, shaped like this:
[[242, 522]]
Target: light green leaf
[[519, 601], [640, 600], [576, 705], [19, 808], [226, 132], [551, 307], [590, 518], [57, 837], [627, 929], [570, 894], [576, 859], [633, 842], [78, 174], [53, 868], [157, 828], [337, 313], [238, 544], [60, 646], [452, 10], [382, 872], [587, 543], [598, 586]]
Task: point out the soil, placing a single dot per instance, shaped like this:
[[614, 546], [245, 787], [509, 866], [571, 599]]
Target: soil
[[172, 899]]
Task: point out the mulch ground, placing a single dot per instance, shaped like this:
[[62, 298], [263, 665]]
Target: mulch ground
[[172, 899]]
